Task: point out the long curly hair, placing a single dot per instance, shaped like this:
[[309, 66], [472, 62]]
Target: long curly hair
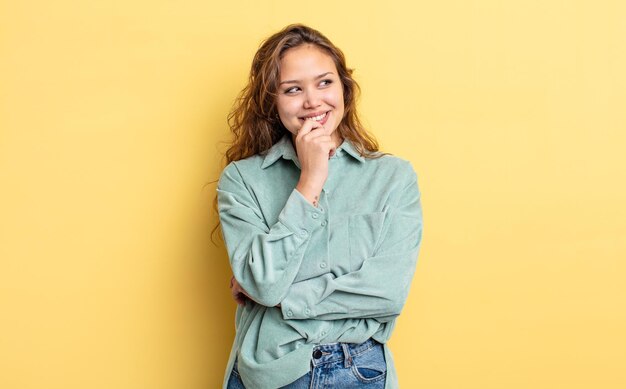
[[254, 120]]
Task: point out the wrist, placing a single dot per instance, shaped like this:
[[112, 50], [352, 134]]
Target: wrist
[[309, 191]]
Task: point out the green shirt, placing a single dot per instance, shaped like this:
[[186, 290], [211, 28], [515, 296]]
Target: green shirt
[[340, 271]]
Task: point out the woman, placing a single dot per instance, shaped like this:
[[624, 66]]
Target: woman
[[322, 230]]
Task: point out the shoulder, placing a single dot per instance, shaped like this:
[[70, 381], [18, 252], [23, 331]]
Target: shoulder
[[398, 168], [237, 170]]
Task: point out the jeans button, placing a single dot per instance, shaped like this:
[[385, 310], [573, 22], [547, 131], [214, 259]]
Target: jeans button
[[317, 354]]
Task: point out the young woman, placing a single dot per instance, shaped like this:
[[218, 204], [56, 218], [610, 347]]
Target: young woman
[[322, 230]]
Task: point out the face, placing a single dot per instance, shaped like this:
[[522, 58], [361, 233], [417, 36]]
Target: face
[[309, 87]]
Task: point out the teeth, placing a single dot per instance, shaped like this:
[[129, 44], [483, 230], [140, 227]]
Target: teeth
[[318, 118]]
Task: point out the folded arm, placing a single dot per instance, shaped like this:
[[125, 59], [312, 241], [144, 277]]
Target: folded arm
[[380, 287], [265, 260]]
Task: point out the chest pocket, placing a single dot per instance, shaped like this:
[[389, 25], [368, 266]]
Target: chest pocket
[[364, 232]]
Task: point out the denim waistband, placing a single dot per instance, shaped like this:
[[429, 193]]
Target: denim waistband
[[332, 352]]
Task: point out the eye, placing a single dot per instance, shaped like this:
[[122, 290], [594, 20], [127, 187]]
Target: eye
[[326, 82], [291, 90]]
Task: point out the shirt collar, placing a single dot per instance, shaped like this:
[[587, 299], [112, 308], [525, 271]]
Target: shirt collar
[[284, 148]]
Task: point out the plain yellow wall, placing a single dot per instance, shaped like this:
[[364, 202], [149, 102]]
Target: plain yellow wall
[[111, 118]]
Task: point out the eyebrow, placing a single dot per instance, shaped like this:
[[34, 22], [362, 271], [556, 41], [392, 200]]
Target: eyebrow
[[296, 81]]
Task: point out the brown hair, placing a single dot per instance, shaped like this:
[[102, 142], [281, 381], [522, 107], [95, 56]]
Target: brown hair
[[253, 118]]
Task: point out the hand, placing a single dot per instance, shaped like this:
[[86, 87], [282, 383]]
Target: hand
[[239, 294], [314, 146]]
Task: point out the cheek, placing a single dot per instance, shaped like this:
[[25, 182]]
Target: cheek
[[335, 98], [287, 108]]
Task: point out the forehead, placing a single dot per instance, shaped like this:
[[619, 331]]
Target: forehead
[[306, 60]]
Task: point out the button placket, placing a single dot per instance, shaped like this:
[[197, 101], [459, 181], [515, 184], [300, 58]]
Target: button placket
[[324, 263]]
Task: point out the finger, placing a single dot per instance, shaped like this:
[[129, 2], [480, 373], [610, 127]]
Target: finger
[[320, 138], [234, 290], [243, 291], [240, 291], [240, 299], [236, 286], [308, 126]]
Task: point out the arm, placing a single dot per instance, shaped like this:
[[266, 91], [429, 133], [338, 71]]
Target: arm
[[380, 287], [265, 260]]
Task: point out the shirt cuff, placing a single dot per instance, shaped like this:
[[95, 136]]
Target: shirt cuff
[[303, 297], [300, 216]]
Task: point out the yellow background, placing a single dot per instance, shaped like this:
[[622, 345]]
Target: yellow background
[[113, 118]]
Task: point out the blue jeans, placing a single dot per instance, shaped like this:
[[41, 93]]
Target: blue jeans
[[337, 365]]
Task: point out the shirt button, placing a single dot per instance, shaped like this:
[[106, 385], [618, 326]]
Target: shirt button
[[323, 223], [307, 311], [303, 233], [323, 333], [317, 354], [323, 265], [289, 313], [314, 216], [321, 209]]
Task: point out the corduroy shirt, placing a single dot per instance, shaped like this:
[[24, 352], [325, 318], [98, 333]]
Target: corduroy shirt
[[341, 271]]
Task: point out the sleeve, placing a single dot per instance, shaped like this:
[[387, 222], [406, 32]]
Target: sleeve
[[264, 260], [380, 287]]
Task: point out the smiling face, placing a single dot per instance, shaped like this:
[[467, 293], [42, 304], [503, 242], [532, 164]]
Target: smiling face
[[309, 87]]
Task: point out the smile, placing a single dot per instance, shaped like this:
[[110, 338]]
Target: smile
[[317, 118]]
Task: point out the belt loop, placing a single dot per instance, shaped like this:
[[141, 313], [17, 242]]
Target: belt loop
[[347, 358]]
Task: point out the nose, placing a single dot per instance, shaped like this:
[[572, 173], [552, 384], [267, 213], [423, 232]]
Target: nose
[[312, 99]]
